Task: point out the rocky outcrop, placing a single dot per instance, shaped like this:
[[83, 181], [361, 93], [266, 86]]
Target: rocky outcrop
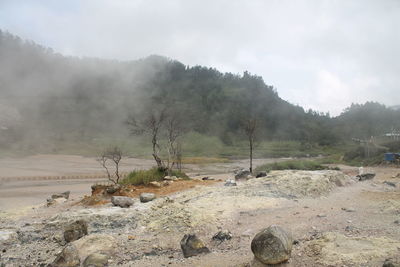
[[272, 245], [191, 245]]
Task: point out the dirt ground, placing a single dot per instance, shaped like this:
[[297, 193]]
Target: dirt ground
[[336, 220], [30, 180]]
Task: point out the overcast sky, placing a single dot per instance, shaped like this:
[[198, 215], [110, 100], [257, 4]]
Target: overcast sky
[[319, 54]]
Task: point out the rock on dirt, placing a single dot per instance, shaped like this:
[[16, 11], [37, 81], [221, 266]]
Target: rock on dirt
[[272, 245], [68, 257], [241, 174], [147, 197], [261, 174], [61, 195], [222, 235], [191, 245], [96, 260], [365, 176], [230, 183], [75, 230], [123, 202]]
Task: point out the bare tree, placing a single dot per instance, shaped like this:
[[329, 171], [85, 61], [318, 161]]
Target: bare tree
[[250, 128], [174, 130], [114, 155], [151, 125]]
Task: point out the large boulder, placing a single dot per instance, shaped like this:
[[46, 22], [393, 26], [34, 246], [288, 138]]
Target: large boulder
[[75, 230], [147, 197], [68, 257], [191, 245], [123, 202], [78, 251], [272, 245], [96, 260]]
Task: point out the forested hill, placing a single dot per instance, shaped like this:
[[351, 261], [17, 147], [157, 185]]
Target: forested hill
[[47, 96]]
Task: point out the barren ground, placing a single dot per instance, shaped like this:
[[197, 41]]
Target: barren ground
[[309, 204]]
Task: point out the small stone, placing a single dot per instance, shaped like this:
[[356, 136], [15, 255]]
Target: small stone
[[61, 195], [191, 245], [390, 183], [366, 176], [350, 209], [123, 202], [230, 183], [321, 215], [391, 263], [397, 221], [242, 174], [155, 184], [222, 235], [147, 197], [261, 174]]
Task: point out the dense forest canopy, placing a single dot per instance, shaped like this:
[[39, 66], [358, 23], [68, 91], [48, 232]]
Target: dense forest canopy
[[47, 96]]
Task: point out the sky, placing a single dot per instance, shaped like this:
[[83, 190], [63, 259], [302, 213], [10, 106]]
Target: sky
[[319, 54]]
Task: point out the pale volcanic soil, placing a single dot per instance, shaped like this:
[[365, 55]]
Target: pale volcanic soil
[[335, 219]]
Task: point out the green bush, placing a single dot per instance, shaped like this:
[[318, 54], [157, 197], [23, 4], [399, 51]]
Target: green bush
[[292, 165], [144, 177]]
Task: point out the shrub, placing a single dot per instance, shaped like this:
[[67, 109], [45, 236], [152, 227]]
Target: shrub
[[144, 177], [292, 165]]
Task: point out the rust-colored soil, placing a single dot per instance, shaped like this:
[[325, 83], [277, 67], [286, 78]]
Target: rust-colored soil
[[98, 198]]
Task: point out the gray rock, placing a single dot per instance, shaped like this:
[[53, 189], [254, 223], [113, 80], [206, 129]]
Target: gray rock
[[75, 230], [69, 257], [171, 178], [397, 221], [155, 184], [391, 263], [123, 202], [261, 174], [241, 174], [230, 183], [113, 189], [389, 183], [96, 260], [222, 236], [61, 195], [366, 176], [147, 197], [191, 245], [272, 245], [350, 209]]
